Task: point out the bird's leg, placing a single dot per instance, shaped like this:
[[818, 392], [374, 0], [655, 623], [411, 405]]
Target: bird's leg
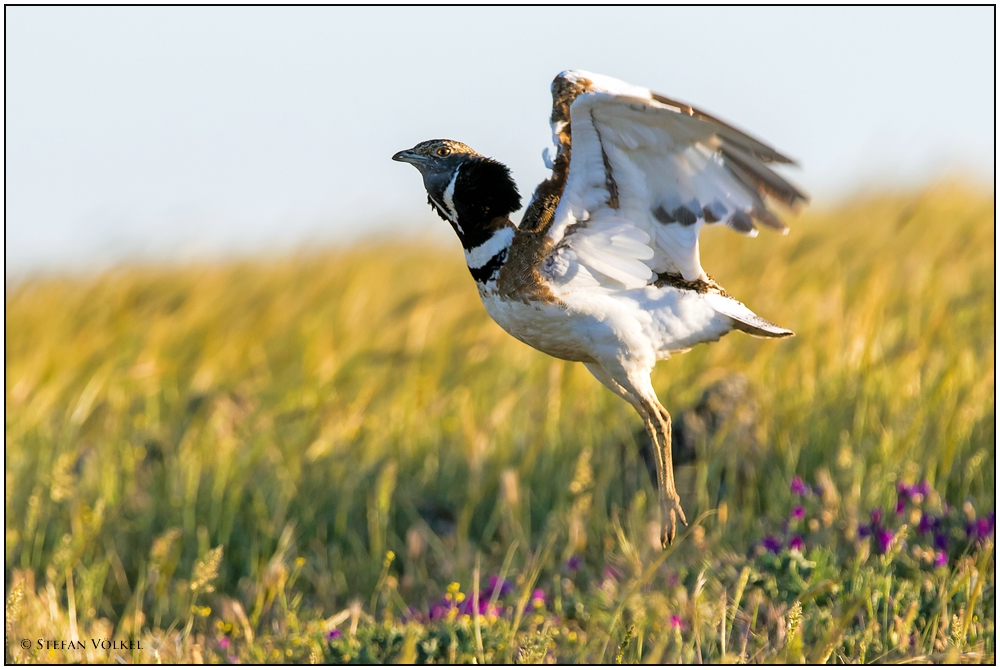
[[658, 425], [637, 390]]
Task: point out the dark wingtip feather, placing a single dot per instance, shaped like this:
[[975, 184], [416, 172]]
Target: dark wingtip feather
[[747, 142], [760, 177], [741, 223]]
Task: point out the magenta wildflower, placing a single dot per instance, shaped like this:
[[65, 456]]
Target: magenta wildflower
[[772, 544], [923, 488], [906, 493], [537, 601], [333, 634], [676, 621], [504, 585], [439, 610], [940, 559], [985, 526], [795, 544], [981, 528], [799, 487], [467, 606], [611, 572], [799, 512], [224, 642], [884, 538]]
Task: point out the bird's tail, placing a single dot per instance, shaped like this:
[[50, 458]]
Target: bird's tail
[[744, 319]]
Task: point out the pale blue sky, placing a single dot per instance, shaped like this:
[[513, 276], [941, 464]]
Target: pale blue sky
[[171, 132]]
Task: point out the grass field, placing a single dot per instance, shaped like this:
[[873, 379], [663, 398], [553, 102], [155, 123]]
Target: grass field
[[339, 457]]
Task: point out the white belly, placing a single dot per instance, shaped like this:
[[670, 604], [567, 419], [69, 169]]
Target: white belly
[[594, 325], [548, 327]]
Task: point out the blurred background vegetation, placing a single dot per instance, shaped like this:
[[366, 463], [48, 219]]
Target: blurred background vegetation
[[356, 435]]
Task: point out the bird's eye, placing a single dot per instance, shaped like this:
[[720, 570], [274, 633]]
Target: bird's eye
[[443, 151]]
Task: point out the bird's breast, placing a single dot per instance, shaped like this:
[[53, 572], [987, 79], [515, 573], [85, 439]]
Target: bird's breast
[[547, 326]]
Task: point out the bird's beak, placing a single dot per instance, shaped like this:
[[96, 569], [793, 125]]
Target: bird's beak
[[408, 156]]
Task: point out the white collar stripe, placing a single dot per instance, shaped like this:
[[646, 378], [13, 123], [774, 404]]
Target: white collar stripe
[[449, 197], [481, 255]]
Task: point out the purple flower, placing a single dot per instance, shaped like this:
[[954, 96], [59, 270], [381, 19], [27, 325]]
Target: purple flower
[[884, 538], [504, 585], [799, 487], [907, 493], [574, 563], [224, 642], [676, 621], [981, 528], [772, 544], [537, 600], [467, 606], [799, 512], [940, 540], [927, 523], [333, 635], [795, 544], [438, 611], [940, 559], [985, 525]]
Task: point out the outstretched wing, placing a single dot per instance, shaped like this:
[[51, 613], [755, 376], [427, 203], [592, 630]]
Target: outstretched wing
[[645, 174]]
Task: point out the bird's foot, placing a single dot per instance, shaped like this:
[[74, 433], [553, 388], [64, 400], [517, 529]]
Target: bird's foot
[[671, 512]]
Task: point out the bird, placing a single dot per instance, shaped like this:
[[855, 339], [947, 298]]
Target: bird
[[604, 267]]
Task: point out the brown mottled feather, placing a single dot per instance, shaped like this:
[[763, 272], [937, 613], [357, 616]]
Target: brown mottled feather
[[519, 278], [538, 216], [698, 285]]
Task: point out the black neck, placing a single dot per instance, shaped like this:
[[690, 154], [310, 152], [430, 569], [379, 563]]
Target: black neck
[[482, 198]]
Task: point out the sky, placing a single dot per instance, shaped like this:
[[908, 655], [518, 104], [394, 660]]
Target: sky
[[171, 133]]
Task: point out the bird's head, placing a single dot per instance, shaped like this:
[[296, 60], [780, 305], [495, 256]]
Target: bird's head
[[437, 161], [466, 188]]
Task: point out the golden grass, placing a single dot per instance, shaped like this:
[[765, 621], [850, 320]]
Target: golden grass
[[336, 405]]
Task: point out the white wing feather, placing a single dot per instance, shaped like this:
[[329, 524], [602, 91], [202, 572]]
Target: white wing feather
[[645, 176]]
